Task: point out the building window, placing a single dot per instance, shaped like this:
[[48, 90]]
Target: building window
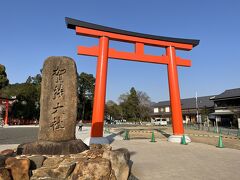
[[162, 110], [167, 109], [155, 110]]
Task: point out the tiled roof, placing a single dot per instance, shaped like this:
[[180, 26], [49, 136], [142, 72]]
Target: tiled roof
[[190, 103], [201, 102], [162, 104], [228, 94]]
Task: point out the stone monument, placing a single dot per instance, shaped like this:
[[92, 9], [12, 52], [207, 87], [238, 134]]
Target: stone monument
[[58, 110], [58, 101]]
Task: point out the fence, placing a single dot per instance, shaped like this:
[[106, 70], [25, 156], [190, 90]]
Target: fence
[[213, 129]]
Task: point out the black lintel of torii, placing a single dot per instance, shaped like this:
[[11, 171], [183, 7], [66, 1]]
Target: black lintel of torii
[[73, 23]]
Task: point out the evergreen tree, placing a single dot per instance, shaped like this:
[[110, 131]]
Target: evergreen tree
[[26, 105], [113, 110], [86, 84], [135, 105], [3, 77]]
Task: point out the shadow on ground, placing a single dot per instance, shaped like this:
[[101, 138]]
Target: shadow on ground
[[113, 135], [163, 133]]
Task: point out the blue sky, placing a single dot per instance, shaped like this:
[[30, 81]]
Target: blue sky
[[31, 31]]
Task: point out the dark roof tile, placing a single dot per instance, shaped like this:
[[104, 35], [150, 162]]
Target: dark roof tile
[[228, 94], [190, 103]]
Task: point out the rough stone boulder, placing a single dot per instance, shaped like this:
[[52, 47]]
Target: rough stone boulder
[[55, 168], [2, 160], [19, 168], [120, 162], [99, 162], [96, 169], [36, 161], [7, 152], [5, 174], [100, 146]]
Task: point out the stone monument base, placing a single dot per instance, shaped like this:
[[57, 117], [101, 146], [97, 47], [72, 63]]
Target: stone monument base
[[52, 148], [178, 138]]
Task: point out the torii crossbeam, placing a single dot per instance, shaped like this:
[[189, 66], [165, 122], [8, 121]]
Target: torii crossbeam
[[103, 52]]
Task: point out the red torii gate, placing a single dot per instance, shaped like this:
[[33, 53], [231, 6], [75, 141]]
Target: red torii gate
[[103, 52], [6, 108]]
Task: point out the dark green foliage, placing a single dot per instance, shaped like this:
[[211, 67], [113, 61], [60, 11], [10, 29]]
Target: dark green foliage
[[3, 77], [34, 80], [129, 104], [26, 105], [113, 110], [27, 95], [86, 84], [135, 105]]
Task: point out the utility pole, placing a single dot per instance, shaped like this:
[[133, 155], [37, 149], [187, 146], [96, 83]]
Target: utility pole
[[197, 110], [197, 105]]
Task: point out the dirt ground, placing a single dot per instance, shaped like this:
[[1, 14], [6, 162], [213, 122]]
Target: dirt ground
[[198, 136]]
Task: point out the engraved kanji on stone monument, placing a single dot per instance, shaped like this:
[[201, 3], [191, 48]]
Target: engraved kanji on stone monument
[[58, 101]]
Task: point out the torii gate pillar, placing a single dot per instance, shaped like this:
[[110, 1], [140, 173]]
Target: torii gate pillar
[[100, 88], [177, 122], [174, 92]]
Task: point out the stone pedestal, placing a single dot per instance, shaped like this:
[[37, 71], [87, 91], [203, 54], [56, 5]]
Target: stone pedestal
[[178, 138], [96, 140], [53, 148]]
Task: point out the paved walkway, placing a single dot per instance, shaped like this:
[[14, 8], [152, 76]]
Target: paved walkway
[[165, 160]]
